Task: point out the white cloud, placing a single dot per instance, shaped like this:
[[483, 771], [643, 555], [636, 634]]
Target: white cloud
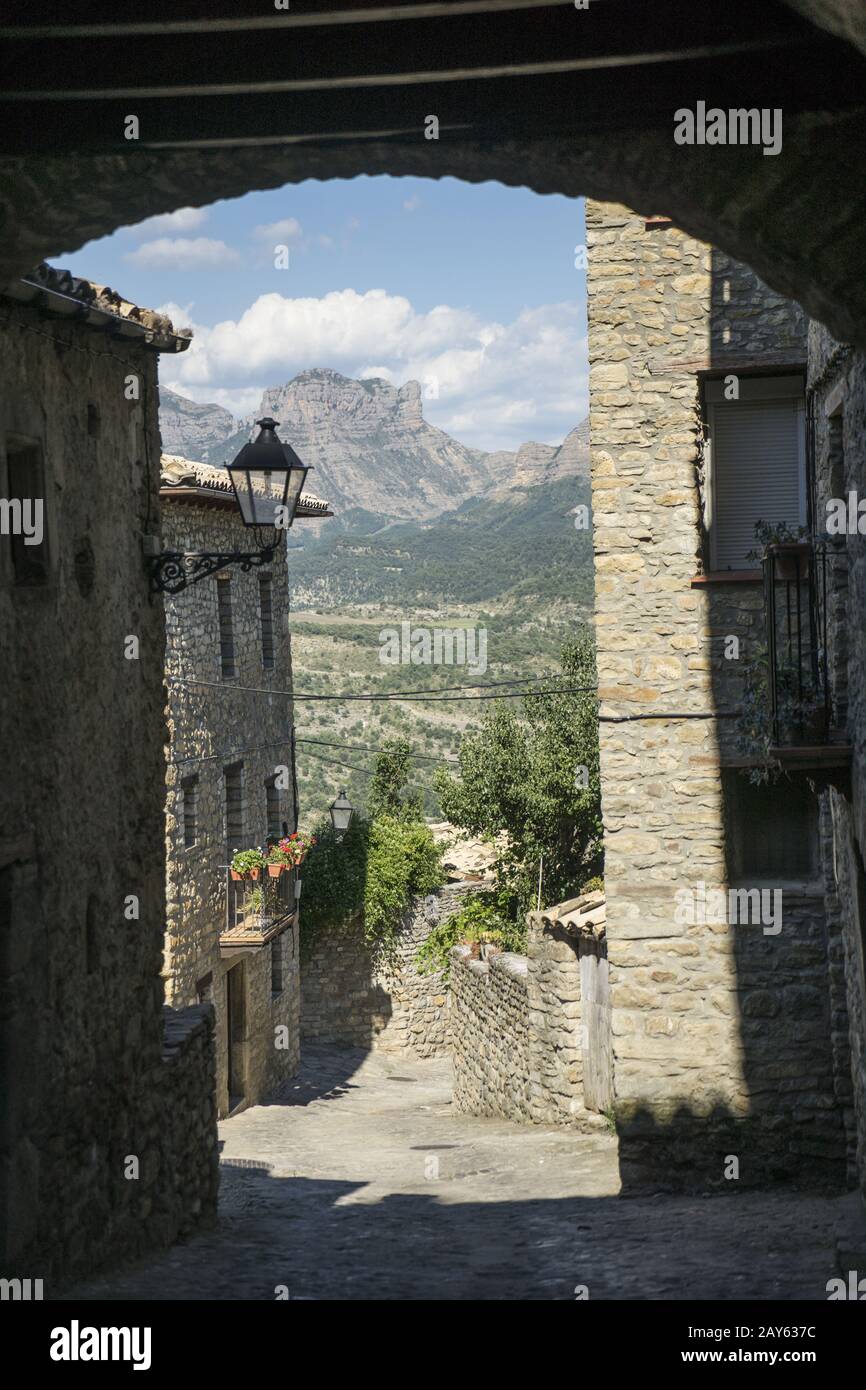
[[288, 229], [183, 220], [410, 204], [180, 314], [498, 385], [183, 253]]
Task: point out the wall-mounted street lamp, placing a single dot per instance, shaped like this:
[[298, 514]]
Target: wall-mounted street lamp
[[267, 477], [342, 811]]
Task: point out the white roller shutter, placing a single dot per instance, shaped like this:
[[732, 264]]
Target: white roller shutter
[[757, 461]]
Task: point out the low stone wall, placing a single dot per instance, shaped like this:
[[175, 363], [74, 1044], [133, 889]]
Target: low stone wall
[[490, 1035], [553, 997], [186, 1196], [348, 999]]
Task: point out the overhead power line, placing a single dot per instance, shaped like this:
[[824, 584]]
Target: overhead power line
[[433, 695], [365, 748]]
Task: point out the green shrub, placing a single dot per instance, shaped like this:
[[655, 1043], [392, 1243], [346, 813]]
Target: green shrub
[[403, 860], [375, 869], [479, 919]]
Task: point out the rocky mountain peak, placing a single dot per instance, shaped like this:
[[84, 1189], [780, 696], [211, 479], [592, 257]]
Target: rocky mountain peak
[[370, 445]]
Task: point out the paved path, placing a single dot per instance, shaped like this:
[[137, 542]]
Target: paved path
[[361, 1182]]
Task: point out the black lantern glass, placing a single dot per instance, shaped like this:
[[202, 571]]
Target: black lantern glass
[[342, 811], [267, 477]]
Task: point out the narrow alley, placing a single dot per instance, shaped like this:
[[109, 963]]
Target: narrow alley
[[362, 1182]]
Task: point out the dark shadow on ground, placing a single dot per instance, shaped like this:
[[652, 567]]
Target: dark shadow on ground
[[307, 1239]]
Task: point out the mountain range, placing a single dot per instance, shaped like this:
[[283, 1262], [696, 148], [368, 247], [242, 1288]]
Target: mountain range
[[373, 455], [424, 528]]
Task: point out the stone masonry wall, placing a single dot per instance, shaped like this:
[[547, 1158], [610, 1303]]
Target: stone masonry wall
[[553, 999], [214, 727], [347, 998], [718, 1032], [490, 1035], [82, 732], [837, 385], [189, 1156]]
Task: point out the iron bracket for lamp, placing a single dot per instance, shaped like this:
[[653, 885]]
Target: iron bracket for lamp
[[173, 570]]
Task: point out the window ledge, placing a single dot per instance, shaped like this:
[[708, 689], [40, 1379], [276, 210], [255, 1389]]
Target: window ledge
[[699, 581]]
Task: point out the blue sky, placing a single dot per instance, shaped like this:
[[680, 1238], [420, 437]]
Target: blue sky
[[470, 289]]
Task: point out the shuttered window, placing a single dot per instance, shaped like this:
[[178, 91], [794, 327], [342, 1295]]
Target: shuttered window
[[266, 609], [190, 811], [227, 639], [757, 453], [23, 511], [234, 804], [274, 804]]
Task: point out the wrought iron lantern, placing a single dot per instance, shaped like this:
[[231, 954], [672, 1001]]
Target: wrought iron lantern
[[342, 812], [267, 478]]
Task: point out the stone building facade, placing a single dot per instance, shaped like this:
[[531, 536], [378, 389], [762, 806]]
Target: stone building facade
[[94, 1072], [230, 785], [727, 1037]]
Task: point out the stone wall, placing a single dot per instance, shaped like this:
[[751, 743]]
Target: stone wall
[[82, 869], [718, 1032], [490, 1035], [50, 204], [214, 727], [553, 999], [186, 1140], [348, 998], [837, 385]]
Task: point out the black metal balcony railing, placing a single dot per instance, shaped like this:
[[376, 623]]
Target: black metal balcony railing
[[795, 606], [255, 906]]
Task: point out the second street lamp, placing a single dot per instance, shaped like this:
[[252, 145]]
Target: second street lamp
[[267, 477]]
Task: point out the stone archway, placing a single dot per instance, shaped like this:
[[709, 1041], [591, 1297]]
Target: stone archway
[[798, 219], [530, 93]]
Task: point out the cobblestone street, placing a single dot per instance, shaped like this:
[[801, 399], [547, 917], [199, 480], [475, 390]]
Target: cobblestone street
[[361, 1182]]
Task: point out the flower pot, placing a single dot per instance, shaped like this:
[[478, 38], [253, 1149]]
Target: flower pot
[[276, 869], [235, 875], [790, 560], [254, 873]]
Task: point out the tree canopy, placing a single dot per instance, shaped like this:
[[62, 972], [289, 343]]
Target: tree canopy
[[532, 778]]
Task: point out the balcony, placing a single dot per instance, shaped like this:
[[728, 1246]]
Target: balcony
[[804, 732], [257, 910]]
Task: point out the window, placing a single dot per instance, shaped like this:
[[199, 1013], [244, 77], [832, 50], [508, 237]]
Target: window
[[23, 511], [266, 609], [771, 832], [757, 463], [274, 804], [277, 965], [189, 791], [227, 641], [204, 988], [234, 804]]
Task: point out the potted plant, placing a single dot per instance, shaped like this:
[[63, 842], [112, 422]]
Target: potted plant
[[789, 549], [254, 902], [293, 849], [247, 863], [277, 862]]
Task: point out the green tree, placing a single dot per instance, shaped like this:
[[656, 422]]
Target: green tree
[[522, 777], [376, 867], [387, 795]]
